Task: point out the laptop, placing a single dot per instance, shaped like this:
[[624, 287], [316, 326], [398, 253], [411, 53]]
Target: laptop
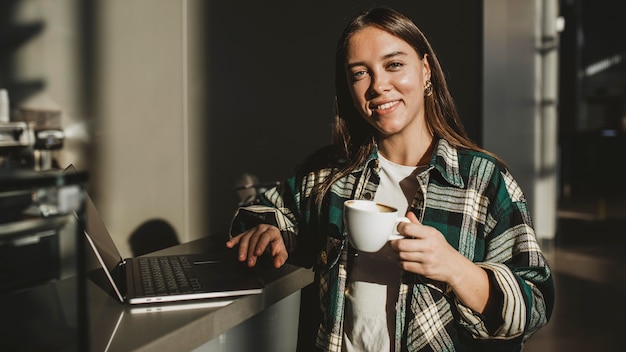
[[173, 278]]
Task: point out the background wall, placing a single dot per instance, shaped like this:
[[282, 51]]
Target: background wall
[[128, 77], [520, 99], [149, 140]]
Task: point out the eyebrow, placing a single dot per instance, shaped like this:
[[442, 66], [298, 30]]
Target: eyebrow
[[385, 57]]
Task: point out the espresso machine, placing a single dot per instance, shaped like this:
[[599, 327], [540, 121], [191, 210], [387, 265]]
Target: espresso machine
[[16, 140], [34, 198], [31, 141], [47, 135], [29, 138]]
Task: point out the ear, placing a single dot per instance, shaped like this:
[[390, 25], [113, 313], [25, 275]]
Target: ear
[[426, 68]]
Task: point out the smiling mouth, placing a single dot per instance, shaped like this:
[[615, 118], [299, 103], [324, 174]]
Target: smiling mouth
[[385, 105]]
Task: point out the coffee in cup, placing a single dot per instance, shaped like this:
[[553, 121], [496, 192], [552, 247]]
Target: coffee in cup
[[370, 224]]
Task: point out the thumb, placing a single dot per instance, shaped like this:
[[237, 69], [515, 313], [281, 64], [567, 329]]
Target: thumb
[[411, 216]]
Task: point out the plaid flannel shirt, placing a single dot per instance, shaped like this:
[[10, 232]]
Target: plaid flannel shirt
[[473, 201]]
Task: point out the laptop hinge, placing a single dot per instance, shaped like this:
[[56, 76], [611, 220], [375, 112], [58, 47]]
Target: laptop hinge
[[121, 277]]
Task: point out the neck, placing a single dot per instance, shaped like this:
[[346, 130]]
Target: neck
[[415, 152]]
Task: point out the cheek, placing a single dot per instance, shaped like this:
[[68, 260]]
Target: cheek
[[409, 83], [358, 98]]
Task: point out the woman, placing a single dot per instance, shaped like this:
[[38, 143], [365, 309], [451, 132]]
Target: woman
[[469, 277]]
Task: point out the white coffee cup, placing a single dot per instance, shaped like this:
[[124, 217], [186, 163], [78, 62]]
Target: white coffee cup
[[370, 225]]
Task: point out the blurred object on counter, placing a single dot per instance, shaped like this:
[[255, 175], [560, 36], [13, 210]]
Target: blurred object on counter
[[5, 115], [47, 132]]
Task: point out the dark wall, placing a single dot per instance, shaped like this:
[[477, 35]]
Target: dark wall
[[12, 37], [270, 81], [589, 105]]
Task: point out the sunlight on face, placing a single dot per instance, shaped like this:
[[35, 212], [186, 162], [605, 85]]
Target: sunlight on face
[[386, 79]]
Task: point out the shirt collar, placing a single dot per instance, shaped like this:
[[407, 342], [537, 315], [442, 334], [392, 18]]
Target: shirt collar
[[445, 160]]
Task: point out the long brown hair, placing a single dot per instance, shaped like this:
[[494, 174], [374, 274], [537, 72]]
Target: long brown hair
[[353, 138]]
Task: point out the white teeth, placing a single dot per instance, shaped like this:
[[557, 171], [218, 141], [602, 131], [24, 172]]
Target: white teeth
[[386, 105]]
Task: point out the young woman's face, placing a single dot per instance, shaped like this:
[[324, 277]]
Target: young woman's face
[[386, 78]]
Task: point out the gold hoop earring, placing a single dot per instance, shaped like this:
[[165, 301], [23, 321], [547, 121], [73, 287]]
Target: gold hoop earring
[[428, 89]]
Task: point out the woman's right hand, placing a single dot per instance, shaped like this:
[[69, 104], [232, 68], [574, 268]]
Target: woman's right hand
[[255, 241]]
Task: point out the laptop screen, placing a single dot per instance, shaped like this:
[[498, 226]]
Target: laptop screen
[[98, 233]]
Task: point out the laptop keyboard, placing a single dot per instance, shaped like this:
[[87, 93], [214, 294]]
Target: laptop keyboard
[[167, 275]]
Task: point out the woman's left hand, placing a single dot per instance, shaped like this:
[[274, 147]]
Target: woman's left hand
[[427, 253]]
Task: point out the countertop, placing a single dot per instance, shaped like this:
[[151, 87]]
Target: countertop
[[46, 312]]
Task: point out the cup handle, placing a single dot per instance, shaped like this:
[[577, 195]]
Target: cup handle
[[397, 236]]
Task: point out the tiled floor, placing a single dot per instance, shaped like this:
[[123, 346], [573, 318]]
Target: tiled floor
[[589, 262]]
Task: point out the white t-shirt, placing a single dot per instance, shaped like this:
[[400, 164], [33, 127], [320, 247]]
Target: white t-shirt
[[374, 281]]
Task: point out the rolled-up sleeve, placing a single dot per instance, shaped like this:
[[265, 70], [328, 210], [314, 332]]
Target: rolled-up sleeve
[[518, 271], [523, 308]]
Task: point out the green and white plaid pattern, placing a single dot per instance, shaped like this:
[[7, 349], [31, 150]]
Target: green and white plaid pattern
[[475, 203]]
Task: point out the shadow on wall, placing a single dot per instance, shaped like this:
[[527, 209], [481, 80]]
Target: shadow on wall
[[152, 235]]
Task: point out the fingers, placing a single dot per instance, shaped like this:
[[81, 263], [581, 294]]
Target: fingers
[[248, 246], [405, 228], [427, 253], [233, 241], [412, 266], [254, 242], [279, 252]]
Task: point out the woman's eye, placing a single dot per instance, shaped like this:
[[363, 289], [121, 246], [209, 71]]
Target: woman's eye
[[395, 65], [359, 74]]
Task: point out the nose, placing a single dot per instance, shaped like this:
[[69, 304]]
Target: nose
[[379, 84]]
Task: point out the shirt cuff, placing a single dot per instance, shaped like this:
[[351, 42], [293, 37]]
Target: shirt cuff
[[512, 308]]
